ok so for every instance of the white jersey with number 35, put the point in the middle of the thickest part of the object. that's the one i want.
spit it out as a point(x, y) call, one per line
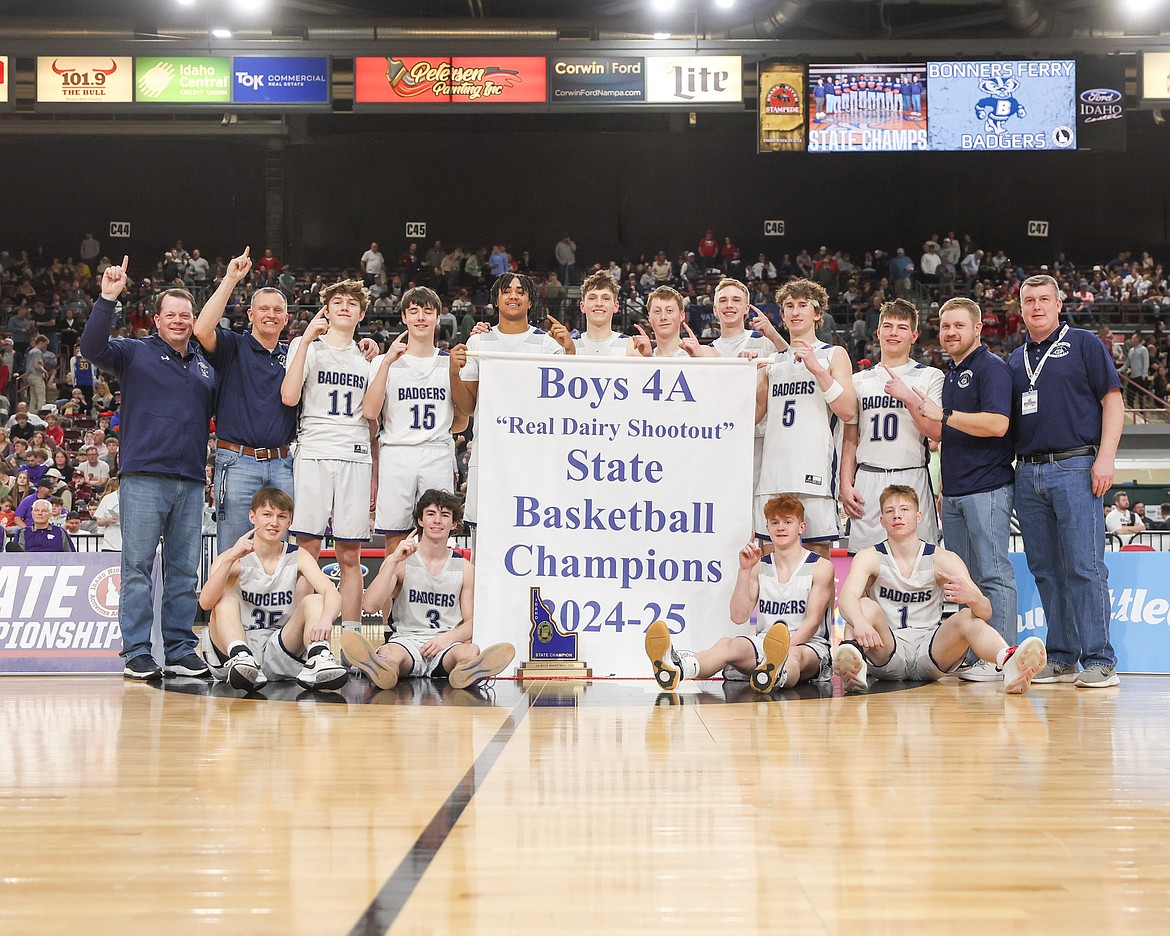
point(266, 600)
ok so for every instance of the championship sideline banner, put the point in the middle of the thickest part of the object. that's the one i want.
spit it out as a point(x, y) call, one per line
point(613, 492)
point(59, 613)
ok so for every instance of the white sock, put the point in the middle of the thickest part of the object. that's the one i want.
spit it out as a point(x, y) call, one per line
point(235, 643)
point(688, 664)
point(1001, 656)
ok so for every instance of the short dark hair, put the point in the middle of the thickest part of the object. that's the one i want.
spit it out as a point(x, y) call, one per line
point(444, 500)
point(272, 497)
point(504, 280)
point(422, 296)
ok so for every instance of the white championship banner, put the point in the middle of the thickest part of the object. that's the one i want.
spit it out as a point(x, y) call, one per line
point(613, 492)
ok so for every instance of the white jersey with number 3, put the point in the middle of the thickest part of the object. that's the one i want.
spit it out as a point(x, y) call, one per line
point(428, 604)
point(332, 424)
point(907, 601)
point(802, 435)
point(266, 600)
point(418, 408)
point(787, 601)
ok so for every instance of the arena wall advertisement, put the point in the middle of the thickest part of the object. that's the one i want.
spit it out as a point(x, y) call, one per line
point(413, 80)
point(694, 79)
point(85, 80)
point(633, 504)
point(176, 80)
point(265, 80)
point(781, 113)
point(1154, 80)
point(1139, 603)
point(601, 79)
point(996, 106)
point(60, 615)
point(3, 79)
point(1101, 103)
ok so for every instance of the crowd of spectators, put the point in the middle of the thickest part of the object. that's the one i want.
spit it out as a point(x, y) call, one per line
point(64, 414)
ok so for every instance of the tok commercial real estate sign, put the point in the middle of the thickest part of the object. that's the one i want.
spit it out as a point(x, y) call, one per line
point(173, 80)
point(265, 80)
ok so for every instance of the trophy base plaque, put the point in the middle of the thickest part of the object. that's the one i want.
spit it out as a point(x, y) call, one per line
point(554, 669)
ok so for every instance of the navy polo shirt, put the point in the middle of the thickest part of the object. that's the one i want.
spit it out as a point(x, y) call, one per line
point(248, 410)
point(982, 383)
point(1078, 374)
point(167, 398)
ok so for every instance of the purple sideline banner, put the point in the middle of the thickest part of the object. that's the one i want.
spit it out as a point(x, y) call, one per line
point(1139, 602)
point(59, 613)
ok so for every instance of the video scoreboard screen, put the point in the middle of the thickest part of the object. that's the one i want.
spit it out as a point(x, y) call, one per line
point(867, 108)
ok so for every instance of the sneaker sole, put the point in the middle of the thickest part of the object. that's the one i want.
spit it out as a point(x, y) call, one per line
point(847, 667)
point(1063, 677)
point(776, 644)
point(657, 647)
point(360, 654)
point(490, 662)
point(1031, 657)
point(141, 677)
point(979, 675)
point(185, 671)
point(1113, 680)
point(238, 680)
point(325, 685)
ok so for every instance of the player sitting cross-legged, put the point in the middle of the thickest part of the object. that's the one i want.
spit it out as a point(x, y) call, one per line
point(433, 589)
point(794, 590)
point(892, 604)
point(257, 632)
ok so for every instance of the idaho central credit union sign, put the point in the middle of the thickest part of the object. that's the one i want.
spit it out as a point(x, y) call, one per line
point(438, 79)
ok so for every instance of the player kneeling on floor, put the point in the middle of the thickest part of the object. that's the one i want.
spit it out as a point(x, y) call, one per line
point(257, 632)
point(793, 589)
point(432, 589)
point(892, 604)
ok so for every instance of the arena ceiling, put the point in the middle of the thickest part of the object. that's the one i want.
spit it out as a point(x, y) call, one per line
point(498, 20)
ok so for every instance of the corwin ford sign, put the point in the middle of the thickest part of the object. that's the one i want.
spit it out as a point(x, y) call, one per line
point(263, 80)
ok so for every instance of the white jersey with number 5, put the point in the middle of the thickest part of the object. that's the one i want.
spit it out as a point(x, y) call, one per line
point(332, 424)
point(266, 600)
point(802, 435)
point(428, 604)
point(914, 601)
point(886, 434)
point(418, 407)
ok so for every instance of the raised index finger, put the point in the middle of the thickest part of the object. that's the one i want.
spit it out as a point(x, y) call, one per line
point(640, 330)
point(688, 328)
point(551, 319)
point(125, 261)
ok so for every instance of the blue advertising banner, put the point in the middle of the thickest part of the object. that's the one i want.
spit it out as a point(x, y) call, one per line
point(602, 79)
point(1139, 601)
point(979, 106)
point(264, 80)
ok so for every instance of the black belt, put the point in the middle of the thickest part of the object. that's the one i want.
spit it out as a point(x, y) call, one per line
point(1041, 458)
point(888, 470)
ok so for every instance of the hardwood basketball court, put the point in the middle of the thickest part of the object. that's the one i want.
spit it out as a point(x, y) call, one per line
point(601, 807)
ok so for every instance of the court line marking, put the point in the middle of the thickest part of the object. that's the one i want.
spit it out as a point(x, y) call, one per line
point(388, 903)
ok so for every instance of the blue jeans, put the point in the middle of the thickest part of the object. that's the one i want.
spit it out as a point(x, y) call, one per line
point(1064, 537)
point(977, 528)
point(237, 478)
point(158, 507)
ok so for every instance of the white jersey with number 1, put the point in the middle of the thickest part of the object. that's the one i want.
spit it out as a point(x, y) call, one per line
point(907, 601)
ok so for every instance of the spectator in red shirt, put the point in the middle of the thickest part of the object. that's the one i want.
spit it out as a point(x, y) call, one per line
point(268, 264)
point(708, 249)
point(728, 251)
point(992, 326)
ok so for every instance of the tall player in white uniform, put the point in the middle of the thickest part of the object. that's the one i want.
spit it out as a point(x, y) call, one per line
point(888, 443)
point(258, 630)
point(410, 392)
point(666, 314)
point(805, 394)
point(333, 469)
point(433, 592)
point(513, 295)
point(892, 604)
point(599, 302)
point(732, 306)
point(793, 589)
